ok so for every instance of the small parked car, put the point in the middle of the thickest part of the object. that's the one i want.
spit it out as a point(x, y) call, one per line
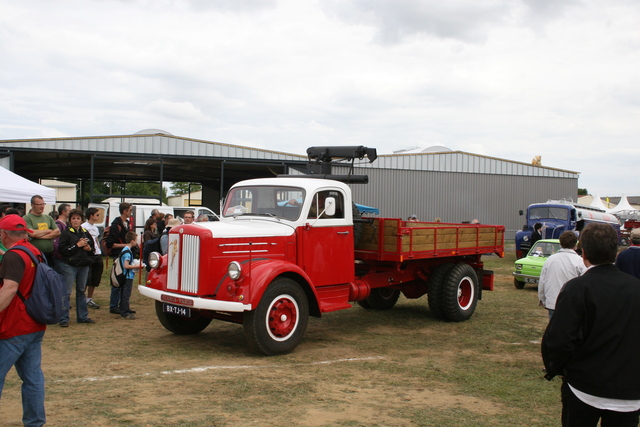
point(527, 269)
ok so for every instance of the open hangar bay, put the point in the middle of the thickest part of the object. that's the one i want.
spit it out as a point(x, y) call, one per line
point(454, 186)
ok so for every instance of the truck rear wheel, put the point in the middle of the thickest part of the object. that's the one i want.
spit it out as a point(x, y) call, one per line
point(182, 325)
point(380, 299)
point(460, 293)
point(279, 322)
point(435, 288)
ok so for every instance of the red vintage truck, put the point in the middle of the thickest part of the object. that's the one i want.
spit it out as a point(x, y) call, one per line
point(291, 247)
point(625, 231)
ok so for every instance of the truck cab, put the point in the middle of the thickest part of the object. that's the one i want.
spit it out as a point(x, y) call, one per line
point(556, 217)
point(296, 231)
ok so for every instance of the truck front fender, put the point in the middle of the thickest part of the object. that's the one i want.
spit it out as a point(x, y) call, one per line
point(263, 272)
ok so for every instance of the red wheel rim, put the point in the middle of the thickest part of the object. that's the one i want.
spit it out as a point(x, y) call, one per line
point(465, 293)
point(282, 317)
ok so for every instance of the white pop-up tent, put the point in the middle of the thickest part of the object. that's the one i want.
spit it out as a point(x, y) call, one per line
point(598, 203)
point(622, 206)
point(16, 189)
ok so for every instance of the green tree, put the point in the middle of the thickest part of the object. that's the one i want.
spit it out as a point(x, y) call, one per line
point(118, 188)
point(180, 188)
point(583, 192)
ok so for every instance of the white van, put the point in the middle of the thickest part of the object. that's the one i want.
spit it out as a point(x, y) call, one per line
point(179, 212)
point(109, 210)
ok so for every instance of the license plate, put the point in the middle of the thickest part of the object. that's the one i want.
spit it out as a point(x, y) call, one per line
point(177, 310)
point(530, 280)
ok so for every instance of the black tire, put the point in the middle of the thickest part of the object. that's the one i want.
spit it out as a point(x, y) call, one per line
point(518, 284)
point(435, 288)
point(279, 322)
point(460, 293)
point(364, 304)
point(182, 325)
point(380, 299)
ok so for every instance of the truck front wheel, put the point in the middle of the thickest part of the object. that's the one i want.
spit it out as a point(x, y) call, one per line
point(279, 322)
point(460, 293)
point(380, 299)
point(182, 325)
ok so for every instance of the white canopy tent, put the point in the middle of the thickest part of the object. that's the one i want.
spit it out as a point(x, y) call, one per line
point(16, 189)
point(598, 203)
point(622, 206)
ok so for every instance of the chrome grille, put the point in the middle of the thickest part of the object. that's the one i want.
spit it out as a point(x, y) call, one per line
point(183, 276)
point(190, 263)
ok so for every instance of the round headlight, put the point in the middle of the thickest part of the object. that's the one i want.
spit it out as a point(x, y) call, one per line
point(235, 270)
point(155, 260)
point(525, 238)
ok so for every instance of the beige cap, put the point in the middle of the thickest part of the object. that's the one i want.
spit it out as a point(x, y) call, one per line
point(173, 222)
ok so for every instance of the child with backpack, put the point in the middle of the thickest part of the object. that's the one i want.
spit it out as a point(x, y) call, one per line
point(126, 258)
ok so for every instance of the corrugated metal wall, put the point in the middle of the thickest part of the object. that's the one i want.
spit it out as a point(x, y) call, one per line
point(457, 197)
point(458, 161)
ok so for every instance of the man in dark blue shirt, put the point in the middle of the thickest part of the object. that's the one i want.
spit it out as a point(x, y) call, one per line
point(629, 259)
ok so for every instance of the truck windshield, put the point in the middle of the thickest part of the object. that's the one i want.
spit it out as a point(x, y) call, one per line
point(281, 202)
point(547, 212)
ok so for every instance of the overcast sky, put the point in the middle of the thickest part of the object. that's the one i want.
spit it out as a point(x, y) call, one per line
point(510, 79)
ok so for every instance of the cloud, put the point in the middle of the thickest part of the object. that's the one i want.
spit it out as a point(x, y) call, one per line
point(509, 79)
point(174, 110)
point(397, 20)
point(244, 6)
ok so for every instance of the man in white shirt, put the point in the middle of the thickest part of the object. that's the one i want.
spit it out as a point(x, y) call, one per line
point(558, 270)
point(95, 274)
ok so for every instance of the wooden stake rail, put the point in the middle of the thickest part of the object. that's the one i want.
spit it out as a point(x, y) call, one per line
point(392, 239)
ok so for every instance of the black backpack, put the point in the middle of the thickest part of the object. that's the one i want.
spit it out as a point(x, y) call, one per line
point(49, 293)
point(117, 273)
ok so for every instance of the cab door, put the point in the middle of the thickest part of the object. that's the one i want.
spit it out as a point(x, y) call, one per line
point(326, 243)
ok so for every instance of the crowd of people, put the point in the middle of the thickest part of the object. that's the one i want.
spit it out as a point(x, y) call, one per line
point(71, 245)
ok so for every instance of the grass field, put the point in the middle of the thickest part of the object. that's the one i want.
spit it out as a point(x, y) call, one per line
point(399, 367)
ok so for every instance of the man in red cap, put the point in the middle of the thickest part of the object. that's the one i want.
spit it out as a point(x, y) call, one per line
point(20, 335)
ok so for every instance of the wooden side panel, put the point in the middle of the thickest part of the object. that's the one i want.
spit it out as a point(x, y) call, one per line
point(387, 237)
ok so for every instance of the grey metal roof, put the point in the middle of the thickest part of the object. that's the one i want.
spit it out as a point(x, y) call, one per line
point(156, 144)
point(460, 161)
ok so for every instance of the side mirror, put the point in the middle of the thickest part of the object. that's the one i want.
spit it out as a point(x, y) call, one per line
point(330, 206)
point(521, 212)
